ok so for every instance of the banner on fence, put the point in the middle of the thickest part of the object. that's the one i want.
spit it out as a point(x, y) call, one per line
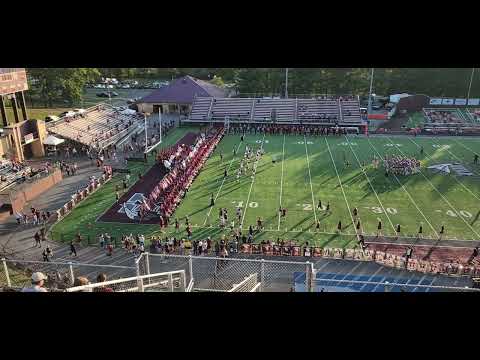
point(338, 253)
point(412, 265)
point(256, 249)
point(296, 251)
point(474, 102)
point(435, 101)
point(286, 250)
point(358, 254)
point(447, 101)
point(245, 249)
point(307, 251)
point(349, 253)
point(380, 256)
point(267, 249)
point(460, 101)
point(277, 250)
point(369, 255)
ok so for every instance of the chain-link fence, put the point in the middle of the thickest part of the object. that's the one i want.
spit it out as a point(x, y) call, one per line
point(222, 274)
point(17, 273)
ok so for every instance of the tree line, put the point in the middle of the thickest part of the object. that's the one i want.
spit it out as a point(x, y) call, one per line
point(67, 84)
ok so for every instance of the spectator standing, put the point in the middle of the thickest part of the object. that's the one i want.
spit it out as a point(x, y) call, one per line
point(73, 251)
point(38, 282)
point(37, 240)
point(100, 279)
point(47, 254)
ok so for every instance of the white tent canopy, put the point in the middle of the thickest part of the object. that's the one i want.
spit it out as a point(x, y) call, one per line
point(129, 112)
point(53, 141)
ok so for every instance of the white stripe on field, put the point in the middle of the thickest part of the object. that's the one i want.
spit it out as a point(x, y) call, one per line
point(341, 187)
point(281, 181)
point(438, 191)
point(371, 186)
point(253, 180)
point(221, 185)
point(310, 175)
point(403, 187)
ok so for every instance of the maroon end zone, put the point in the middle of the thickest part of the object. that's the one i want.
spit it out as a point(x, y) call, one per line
point(141, 188)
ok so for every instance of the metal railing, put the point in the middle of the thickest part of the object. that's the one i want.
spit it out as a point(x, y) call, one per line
point(16, 273)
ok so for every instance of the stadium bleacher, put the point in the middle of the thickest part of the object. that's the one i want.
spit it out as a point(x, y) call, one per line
point(99, 126)
point(323, 110)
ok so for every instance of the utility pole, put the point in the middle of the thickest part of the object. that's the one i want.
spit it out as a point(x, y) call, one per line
point(470, 86)
point(370, 95)
point(286, 83)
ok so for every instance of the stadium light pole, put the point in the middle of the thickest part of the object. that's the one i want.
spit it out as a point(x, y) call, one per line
point(370, 94)
point(160, 120)
point(286, 83)
point(146, 136)
point(470, 86)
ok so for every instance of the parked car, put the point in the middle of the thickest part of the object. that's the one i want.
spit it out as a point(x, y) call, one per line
point(67, 114)
point(51, 118)
point(105, 94)
point(79, 111)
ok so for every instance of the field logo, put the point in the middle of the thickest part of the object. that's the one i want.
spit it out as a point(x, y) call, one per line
point(131, 207)
point(458, 169)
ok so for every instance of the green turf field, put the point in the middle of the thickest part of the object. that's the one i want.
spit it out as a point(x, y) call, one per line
point(311, 169)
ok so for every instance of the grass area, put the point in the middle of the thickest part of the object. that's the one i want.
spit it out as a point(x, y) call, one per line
point(18, 278)
point(36, 113)
point(306, 173)
point(83, 217)
point(415, 120)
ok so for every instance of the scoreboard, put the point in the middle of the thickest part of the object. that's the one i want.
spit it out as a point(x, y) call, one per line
point(12, 80)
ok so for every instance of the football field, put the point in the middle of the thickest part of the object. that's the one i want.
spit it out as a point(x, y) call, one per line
point(339, 171)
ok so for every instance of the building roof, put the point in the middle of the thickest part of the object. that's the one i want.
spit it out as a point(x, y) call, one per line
point(182, 91)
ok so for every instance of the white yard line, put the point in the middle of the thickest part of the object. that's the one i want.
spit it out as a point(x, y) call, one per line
point(341, 186)
point(466, 147)
point(443, 197)
point(253, 181)
point(310, 175)
point(369, 182)
point(404, 189)
point(281, 181)
point(476, 197)
point(221, 185)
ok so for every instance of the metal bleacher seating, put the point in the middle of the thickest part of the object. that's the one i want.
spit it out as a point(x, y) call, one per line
point(99, 126)
point(313, 110)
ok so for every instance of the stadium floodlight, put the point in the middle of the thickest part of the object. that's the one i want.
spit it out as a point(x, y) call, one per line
point(286, 83)
point(160, 120)
point(369, 110)
point(145, 114)
point(470, 86)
